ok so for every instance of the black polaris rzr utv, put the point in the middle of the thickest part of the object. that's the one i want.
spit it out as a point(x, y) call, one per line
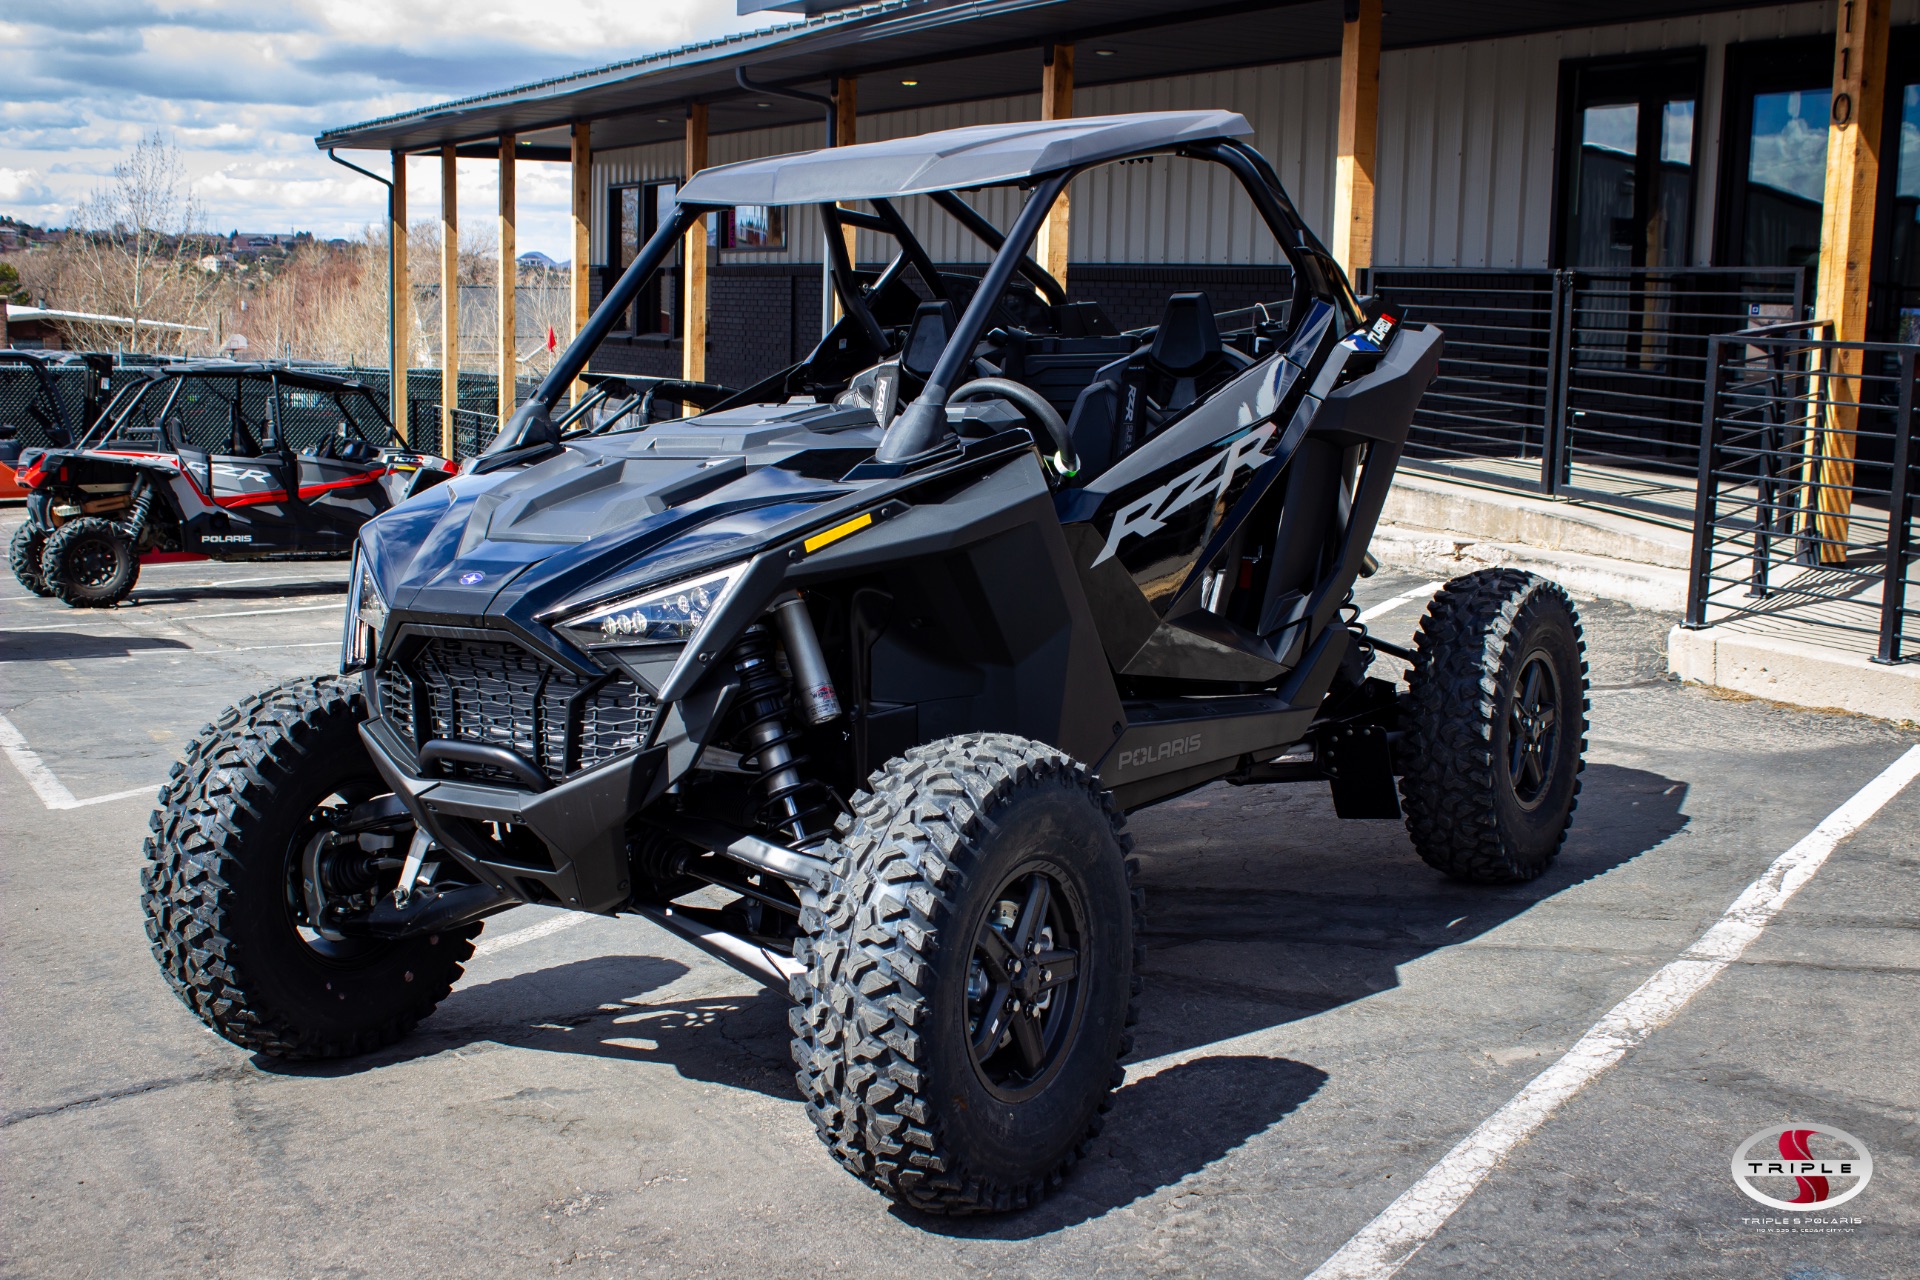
point(210, 460)
point(851, 679)
point(47, 398)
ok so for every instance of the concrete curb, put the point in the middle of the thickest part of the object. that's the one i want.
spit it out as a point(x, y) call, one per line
point(1447, 555)
point(1425, 502)
point(1802, 675)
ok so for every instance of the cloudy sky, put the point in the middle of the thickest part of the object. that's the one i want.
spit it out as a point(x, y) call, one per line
point(242, 88)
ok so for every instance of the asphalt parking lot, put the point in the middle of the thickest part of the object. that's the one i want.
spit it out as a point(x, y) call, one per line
point(1325, 1018)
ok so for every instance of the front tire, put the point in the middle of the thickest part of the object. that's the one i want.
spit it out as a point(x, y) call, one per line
point(221, 886)
point(971, 975)
point(90, 563)
point(1496, 727)
point(23, 557)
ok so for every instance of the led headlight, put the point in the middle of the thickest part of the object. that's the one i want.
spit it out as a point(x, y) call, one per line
point(366, 620)
point(664, 615)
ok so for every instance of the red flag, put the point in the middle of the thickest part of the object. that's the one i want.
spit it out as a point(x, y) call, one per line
point(553, 339)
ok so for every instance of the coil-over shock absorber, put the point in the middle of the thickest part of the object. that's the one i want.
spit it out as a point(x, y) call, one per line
point(799, 807)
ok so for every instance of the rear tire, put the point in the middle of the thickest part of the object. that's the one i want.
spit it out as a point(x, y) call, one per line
point(221, 885)
point(23, 557)
point(1496, 727)
point(982, 882)
point(90, 563)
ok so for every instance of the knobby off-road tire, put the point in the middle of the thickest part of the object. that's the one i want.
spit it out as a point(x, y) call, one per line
point(1496, 727)
point(221, 885)
point(939, 859)
point(90, 563)
point(23, 557)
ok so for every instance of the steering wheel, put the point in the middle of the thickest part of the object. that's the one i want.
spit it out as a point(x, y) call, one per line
point(1034, 406)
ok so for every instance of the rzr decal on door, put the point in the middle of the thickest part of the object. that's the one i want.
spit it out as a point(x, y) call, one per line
point(1209, 480)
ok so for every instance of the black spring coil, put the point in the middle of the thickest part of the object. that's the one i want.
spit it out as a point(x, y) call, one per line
point(790, 802)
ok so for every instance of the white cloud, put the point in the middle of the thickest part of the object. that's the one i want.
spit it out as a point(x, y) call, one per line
point(242, 88)
point(23, 187)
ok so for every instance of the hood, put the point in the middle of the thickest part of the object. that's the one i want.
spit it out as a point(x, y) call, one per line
point(615, 510)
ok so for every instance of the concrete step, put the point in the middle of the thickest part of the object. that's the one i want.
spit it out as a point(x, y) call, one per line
point(1446, 555)
point(1517, 520)
point(1783, 669)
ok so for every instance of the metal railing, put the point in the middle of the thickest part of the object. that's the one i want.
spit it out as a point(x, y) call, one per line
point(1805, 485)
point(1562, 382)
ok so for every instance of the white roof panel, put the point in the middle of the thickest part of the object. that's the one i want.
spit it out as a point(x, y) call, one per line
point(976, 156)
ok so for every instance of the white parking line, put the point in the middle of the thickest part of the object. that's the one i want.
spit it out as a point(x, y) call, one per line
point(53, 793)
point(1405, 597)
point(532, 933)
point(162, 620)
point(1384, 1245)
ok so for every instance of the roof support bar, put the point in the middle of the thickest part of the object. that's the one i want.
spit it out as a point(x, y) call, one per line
point(1357, 137)
point(509, 364)
point(1846, 251)
point(449, 294)
point(693, 261)
point(1056, 103)
point(403, 291)
point(922, 427)
point(582, 225)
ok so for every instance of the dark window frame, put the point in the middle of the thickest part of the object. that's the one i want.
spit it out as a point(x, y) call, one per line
point(1682, 72)
point(1801, 63)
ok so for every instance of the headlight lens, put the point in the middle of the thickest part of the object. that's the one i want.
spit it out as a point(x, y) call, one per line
point(366, 620)
point(664, 615)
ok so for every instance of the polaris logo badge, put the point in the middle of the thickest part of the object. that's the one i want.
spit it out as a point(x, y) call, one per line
point(1134, 759)
point(227, 537)
point(1208, 480)
point(471, 579)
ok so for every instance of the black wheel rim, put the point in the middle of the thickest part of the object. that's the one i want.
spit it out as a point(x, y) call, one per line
point(326, 814)
point(1533, 729)
point(1024, 982)
point(93, 563)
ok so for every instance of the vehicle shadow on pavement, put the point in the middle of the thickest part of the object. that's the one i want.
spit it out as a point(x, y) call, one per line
point(42, 646)
point(1275, 910)
point(249, 591)
point(1162, 1129)
point(1262, 909)
point(600, 1007)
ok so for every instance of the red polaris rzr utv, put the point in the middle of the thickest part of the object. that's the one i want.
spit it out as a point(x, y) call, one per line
point(215, 459)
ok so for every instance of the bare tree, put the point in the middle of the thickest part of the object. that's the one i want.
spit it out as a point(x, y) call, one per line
point(135, 252)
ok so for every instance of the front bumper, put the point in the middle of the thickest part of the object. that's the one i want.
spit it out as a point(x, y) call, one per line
point(570, 846)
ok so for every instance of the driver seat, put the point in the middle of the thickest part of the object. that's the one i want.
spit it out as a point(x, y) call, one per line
point(1130, 399)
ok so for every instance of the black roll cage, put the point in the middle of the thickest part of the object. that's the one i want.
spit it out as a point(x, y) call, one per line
point(921, 428)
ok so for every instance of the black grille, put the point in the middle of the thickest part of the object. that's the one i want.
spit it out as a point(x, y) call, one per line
point(500, 695)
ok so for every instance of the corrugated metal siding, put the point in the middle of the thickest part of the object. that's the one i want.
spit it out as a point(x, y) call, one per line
point(1464, 175)
point(1467, 132)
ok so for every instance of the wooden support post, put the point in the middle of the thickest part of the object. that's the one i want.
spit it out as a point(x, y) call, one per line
point(846, 132)
point(693, 266)
point(449, 295)
point(402, 299)
point(1357, 137)
point(509, 277)
point(1846, 250)
point(1056, 103)
point(582, 214)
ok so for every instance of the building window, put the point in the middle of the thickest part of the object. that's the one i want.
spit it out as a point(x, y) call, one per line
point(1628, 162)
point(1779, 100)
point(748, 227)
point(634, 213)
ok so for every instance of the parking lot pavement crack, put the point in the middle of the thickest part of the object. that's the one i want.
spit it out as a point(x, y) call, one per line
point(145, 1087)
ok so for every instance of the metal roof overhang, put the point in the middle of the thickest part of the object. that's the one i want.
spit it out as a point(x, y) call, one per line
point(955, 50)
